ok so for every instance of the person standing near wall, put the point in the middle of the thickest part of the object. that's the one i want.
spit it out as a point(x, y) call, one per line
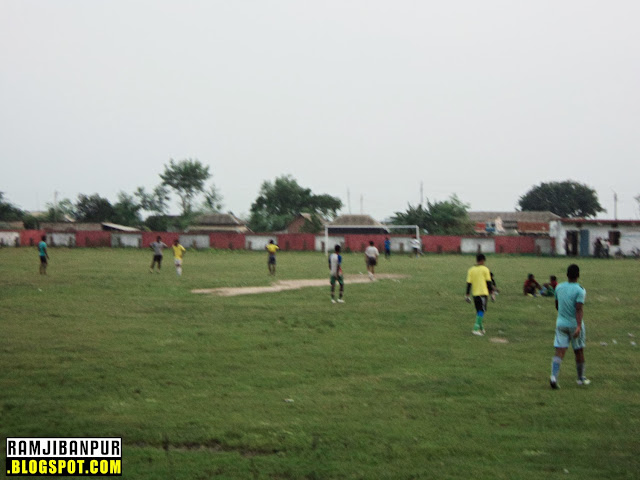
point(44, 255)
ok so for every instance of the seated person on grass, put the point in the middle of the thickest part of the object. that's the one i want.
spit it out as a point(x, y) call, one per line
point(531, 286)
point(549, 289)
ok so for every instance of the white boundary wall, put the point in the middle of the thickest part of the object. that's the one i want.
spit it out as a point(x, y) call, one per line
point(333, 241)
point(545, 246)
point(400, 244)
point(131, 240)
point(10, 239)
point(61, 239)
point(258, 242)
point(194, 241)
point(470, 245)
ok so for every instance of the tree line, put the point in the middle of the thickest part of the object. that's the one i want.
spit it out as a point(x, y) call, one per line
point(278, 203)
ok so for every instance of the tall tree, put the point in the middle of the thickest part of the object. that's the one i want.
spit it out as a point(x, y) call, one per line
point(449, 217)
point(93, 208)
point(8, 211)
point(280, 201)
point(155, 202)
point(63, 210)
point(212, 200)
point(126, 211)
point(567, 199)
point(187, 179)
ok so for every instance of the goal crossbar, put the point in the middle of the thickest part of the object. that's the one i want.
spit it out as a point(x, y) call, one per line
point(363, 227)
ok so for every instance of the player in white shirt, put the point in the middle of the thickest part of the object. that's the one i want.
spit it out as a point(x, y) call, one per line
point(417, 246)
point(371, 259)
point(335, 268)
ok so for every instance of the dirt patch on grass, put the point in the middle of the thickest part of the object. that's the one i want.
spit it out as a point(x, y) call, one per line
point(282, 285)
point(498, 340)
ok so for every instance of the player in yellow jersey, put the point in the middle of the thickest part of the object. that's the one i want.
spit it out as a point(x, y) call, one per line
point(272, 248)
point(480, 285)
point(178, 253)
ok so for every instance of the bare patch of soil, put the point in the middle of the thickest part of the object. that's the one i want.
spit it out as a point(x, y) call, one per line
point(282, 285)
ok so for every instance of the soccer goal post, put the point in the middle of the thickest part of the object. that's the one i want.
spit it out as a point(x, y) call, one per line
point(336, 228)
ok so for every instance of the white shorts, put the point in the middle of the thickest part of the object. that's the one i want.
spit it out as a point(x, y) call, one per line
point(178, 262)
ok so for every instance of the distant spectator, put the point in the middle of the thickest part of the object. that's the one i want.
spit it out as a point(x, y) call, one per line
point(597, 248)
point(387, 247)
point(44, 255)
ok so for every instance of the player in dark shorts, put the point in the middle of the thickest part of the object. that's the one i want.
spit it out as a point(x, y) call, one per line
point(44, 255)
point(157, 247)
point(371, 259)
point(272, 248)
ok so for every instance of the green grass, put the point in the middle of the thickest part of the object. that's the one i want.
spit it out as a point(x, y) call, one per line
point(389, 385)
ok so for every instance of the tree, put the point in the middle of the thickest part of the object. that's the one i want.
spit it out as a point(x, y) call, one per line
point(567, 199)
point(62, 211)
point(93, 208)
point(187, 179)
point(279, 202)
point(8, 211)
point(449, 217)
point(154, 202)
point(127, 210)
point(212, 200)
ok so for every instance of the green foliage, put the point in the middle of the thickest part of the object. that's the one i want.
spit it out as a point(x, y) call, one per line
point(93, 208)
point(315, 225)
point(8, 211)
point(212, 200)
point(62, 211)
point(389, 385)
point(449, 217)
point(155, 202)
point(567, 199)
point(127, 210)
point(187, 179)
point(159, 223)
point(31, 222)
point(279, 202)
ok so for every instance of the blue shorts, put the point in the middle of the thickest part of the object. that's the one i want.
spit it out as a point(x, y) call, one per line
point(564, 337)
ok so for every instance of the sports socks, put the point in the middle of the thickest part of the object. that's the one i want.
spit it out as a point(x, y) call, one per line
point(580, 369)
point(555, 366)
point(478, 325)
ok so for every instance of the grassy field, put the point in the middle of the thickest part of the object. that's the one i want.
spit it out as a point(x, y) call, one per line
point(389, 385)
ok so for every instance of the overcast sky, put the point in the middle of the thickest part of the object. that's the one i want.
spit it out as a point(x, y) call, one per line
point(480, 98)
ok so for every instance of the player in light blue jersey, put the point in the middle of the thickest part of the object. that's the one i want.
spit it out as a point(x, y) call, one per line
point(570, 328)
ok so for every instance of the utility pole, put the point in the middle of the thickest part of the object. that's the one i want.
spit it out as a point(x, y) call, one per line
point(349, 201)
point(421, 192)
point(55, 206)
point(615, 206)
